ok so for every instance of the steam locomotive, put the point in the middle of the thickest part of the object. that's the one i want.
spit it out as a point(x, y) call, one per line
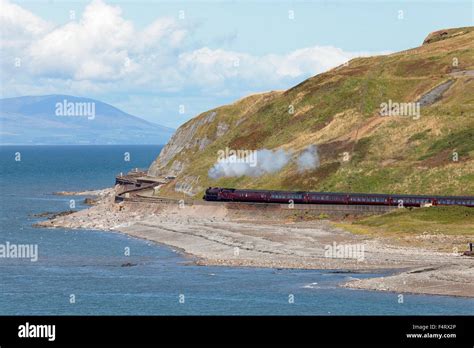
point(301, 197)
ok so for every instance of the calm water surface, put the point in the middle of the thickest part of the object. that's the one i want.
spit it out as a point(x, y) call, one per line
point(88, 264)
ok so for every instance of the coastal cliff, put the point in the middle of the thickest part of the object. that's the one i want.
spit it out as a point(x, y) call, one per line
point(341, 112)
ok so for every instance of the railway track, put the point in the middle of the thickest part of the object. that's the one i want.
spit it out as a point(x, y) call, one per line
point(135, 197)
point(136, 189)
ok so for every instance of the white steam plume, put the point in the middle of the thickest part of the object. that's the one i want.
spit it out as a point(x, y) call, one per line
point(263, 162)
point(308, 159)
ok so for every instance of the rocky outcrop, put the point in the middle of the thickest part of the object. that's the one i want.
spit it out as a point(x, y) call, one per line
point(222, 128)
point(183, 139)
point(445, 34)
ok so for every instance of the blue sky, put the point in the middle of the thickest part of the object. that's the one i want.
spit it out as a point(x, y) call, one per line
point(151, 57)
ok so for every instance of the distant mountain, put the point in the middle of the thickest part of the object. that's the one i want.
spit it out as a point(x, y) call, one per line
point(65, 119)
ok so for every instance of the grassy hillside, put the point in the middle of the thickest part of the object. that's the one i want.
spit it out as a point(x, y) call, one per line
point(339, 111)
point(440, 228)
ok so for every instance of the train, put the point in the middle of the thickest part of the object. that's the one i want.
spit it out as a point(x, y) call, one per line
point(302, 197)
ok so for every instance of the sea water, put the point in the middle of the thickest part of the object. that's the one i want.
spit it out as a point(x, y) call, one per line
point(81, 272)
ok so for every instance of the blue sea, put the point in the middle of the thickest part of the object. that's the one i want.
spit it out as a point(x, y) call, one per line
point(80, 272)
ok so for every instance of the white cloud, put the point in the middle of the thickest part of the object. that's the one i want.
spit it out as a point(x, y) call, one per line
point(102, 52)
point(207, 67)
point(18, 26)
point(162, 32)
point(211, 67)
point(95, 48)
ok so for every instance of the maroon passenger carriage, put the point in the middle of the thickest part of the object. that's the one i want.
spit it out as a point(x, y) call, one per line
point(301, 197)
